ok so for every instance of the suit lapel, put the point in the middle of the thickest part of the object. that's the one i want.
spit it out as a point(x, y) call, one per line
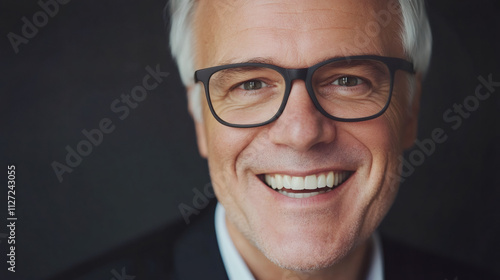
point(196, 254)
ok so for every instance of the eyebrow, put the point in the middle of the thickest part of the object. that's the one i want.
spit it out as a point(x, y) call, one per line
point(270, 60)
point(229, 73)
point(374, 67)
point(263, 60)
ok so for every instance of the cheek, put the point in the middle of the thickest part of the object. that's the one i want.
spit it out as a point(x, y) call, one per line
point(224, 148)
point(376, 192)
point(222, 154)
point(381, 140)
point(399, 111)
point(384, 135)
point(379, 136)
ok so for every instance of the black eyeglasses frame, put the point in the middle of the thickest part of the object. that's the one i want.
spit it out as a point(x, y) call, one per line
point(305, 74)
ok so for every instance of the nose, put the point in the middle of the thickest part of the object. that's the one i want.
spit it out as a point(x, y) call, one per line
point(301, 126)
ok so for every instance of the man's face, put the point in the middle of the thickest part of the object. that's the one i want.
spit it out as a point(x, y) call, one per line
point(315, 231)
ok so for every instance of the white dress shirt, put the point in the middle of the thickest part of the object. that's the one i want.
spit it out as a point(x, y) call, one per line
point(237, 269)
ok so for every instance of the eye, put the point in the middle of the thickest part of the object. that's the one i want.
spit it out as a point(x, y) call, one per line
point(348, 81)
point(252, 85)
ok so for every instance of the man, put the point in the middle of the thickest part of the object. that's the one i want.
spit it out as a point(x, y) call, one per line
point(302, 116)
point(301, 109)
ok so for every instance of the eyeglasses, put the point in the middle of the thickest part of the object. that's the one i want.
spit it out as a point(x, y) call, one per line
point(347, 89)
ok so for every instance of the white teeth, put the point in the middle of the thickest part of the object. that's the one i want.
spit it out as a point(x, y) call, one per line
point(268, 179)
point(273, 183)
point(310, 182)
point(297, 183)
point(287, 182)
point(301, 195)
point(321, 181)
point(279, 181)
point(329, 179)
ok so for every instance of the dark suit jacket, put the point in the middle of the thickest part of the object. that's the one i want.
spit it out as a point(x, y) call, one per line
point(186, 252)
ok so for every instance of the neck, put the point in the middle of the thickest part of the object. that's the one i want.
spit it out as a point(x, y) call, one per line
point(353, 267)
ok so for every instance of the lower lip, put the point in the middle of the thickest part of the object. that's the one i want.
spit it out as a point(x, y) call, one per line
point(313, 200)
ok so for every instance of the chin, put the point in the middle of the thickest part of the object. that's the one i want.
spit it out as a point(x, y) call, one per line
point(308, 255)
point(305, 244)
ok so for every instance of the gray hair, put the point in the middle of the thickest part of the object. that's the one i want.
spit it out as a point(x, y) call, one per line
point(415, 34)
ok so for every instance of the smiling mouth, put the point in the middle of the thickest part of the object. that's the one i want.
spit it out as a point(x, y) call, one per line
point(308, 186)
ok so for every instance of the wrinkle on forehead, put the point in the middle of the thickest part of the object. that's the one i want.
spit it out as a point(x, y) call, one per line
point(290, 8)
point(302, 30)
point(292, 27)
point(237, 14)
point(297, 18)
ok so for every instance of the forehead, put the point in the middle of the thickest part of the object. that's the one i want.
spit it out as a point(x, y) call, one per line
point(294, 33)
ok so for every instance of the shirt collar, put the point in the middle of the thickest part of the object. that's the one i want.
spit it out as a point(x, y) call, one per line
point(376, 270)
point(236, 268)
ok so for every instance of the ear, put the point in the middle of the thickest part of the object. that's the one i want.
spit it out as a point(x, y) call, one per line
point(195, 110)
point(411, 127)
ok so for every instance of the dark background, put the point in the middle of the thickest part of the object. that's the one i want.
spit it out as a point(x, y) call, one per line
point(65, 78)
